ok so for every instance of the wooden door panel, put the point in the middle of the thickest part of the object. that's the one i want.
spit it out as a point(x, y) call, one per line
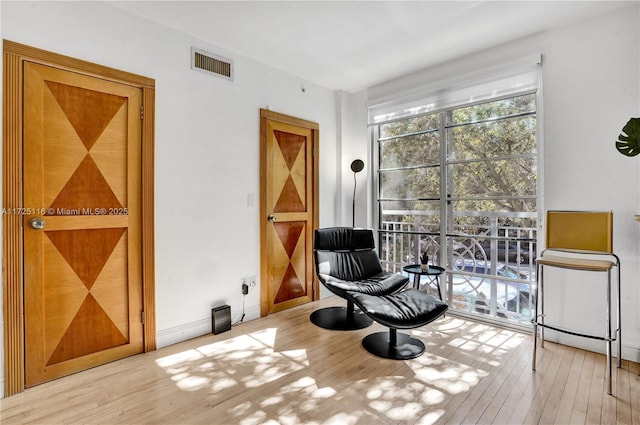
point(83, 285)
point(289, 168)
point(288, 196)
point(289, 268)
point(65, 148)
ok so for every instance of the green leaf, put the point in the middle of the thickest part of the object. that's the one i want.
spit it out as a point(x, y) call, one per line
point(629, 140)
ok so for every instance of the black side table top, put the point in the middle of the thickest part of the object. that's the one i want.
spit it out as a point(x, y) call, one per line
point(431, 271)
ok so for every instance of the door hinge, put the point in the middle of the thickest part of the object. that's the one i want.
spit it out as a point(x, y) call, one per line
point(142, 317)
point(141, 112)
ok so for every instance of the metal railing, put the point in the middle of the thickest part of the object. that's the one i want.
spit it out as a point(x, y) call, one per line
point(490, 269)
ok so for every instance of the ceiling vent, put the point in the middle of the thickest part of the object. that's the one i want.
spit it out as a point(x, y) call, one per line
point(211, 64)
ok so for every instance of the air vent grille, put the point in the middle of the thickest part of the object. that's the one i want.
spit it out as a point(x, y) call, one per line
point(211, 63)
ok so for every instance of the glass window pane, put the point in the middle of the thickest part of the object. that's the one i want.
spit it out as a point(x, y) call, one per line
point(509, 177)
point(410, 184)
point(409, 126)
point(513, 136)
point(409, 151)
point(410, 216)
point(498, 108)
point(516, 217)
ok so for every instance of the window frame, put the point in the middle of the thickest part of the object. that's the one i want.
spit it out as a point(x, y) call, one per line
point(445, 129)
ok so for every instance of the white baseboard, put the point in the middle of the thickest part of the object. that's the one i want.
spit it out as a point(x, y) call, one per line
point(198, 328)
point(184, 332)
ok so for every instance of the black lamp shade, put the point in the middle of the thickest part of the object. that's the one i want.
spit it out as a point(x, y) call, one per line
point(357, 165)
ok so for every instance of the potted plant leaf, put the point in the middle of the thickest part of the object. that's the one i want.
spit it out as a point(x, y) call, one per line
point(628, 142)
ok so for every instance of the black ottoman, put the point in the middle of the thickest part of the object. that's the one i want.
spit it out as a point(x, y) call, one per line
point(403, 310)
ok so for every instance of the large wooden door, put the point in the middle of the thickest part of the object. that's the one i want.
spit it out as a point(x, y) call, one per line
point(82, 271)
point(288, 210)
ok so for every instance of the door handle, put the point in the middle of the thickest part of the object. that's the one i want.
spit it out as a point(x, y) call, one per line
point(37, 223)
point(271, 218)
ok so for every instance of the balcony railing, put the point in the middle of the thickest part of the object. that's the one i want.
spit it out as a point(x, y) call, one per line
point(489, 269)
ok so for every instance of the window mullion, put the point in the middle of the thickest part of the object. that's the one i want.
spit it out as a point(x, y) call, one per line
point(444, 197)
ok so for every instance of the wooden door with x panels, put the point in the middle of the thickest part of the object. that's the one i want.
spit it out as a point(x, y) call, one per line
point(82, 247)
point(288, 210)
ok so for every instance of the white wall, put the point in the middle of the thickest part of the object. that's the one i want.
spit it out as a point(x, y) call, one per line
point(591, 78)
point(207, 140)
point(352, 118)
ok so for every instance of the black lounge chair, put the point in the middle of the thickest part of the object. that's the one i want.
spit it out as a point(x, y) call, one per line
point(346, 260)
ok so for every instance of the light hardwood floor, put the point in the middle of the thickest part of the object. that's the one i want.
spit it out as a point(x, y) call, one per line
point(284, 370)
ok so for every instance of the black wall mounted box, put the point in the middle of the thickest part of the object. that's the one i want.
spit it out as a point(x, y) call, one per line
point(220, 319)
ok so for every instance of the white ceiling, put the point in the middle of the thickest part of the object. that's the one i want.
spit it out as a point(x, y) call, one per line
point(351, 45)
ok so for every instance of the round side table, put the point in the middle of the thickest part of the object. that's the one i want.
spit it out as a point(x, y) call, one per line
point(432, 271)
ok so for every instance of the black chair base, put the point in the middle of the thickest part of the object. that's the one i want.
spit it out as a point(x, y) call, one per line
point(407, 309)
point(393, 345)
point(339, 319)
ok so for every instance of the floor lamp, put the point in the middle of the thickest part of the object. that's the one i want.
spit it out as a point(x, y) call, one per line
point(356, 166)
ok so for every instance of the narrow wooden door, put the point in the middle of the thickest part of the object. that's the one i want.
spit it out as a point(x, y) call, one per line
point(288, 210)
point(82, 273)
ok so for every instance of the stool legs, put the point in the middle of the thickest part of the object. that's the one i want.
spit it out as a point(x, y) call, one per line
point(538, 298)
point(609, 372)
point(619, 321)
point(538, 321)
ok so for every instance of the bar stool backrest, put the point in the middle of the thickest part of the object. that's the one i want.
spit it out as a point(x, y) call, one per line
point(580, 230)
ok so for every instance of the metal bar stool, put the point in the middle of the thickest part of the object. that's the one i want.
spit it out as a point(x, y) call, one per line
point(580, 240)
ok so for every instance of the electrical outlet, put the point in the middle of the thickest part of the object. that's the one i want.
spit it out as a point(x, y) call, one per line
point(252, 281)
point(245, 289)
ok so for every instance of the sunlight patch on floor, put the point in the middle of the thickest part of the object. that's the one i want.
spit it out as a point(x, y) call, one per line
point(431, 417)
point(450, 324)
point(401, 399)
point(283, 387)
point(215, 366)
point(169, 363)
point(247, 362)
point(445, 374)
point(495, 343)
point(341, 418)
point(285, 404)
